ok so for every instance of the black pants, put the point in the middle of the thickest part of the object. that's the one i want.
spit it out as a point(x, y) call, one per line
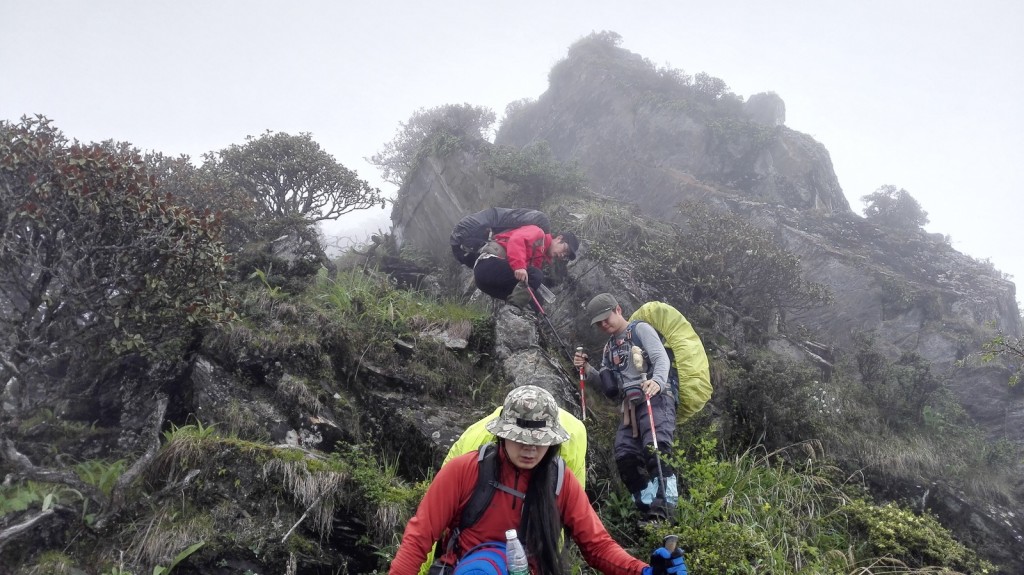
point(495, 278)
point(637, 463)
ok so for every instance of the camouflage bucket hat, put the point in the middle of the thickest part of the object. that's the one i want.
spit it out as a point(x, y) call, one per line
point(530, 416)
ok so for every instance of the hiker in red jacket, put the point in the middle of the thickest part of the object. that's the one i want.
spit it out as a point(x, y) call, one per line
point(527, 498)
point(514, 259)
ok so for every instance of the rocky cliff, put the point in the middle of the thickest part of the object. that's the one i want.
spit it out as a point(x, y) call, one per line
point(651, 138)
point(654, 138)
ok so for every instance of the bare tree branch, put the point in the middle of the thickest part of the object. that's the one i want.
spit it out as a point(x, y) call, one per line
point(26, 470)
point(15, 530)
point(117, 495)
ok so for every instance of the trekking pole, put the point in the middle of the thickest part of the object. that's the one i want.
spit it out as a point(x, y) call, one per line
point(657, 454)
point(540, 310)
point(583, 395)
point(637, 354)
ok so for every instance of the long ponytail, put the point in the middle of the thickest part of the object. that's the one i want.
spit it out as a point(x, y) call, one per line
point(541, 527)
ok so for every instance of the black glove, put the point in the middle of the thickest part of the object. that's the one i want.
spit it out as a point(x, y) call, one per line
point(667, 562)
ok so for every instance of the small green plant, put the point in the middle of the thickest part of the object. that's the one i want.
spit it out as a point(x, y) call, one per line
point(161, 570)
point(21, 497)
point(275, 292)
point(196, 431)
point(101, 474)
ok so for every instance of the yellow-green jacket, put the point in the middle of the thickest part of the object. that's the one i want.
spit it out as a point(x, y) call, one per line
point(691, 361)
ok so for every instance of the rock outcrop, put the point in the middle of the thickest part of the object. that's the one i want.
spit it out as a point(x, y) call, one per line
point(438, 194)
point(650, 139)
point(645, 136)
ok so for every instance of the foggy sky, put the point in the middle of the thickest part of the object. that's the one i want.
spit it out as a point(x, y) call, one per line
point(923, 96)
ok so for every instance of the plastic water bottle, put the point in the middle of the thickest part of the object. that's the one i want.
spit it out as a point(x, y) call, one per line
point(515, 554)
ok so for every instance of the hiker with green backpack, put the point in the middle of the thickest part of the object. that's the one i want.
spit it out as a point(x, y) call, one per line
point(518, 483)
point(637, 369)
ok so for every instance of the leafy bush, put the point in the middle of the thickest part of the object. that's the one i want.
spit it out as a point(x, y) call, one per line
point(535, 173)
point(98, 264)
point(723, 257)
point(915, 540)
point(438, 130)
point(900, 390)
point(1009, 348)
point(773, 401)
point(285, 175)
point(894, 208)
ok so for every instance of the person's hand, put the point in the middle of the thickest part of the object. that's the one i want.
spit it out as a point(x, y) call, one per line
point(668, 562)
point(579, 359)
point(650, 387)
point(521, 275)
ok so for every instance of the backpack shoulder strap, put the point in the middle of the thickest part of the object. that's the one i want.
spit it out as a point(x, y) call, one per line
point(560, 474)
point(633, 335)
point(487, 482)
point(483, 492)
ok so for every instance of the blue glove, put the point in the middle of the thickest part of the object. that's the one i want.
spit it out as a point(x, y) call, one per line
point(664, 562)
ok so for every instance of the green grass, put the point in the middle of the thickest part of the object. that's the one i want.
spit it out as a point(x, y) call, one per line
point(366, 296)
point(788, 511)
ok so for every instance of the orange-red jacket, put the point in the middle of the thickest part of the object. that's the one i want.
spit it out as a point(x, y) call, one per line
point(450, 492)
point(525, 246)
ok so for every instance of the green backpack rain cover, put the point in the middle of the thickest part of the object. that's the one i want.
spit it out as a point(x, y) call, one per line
point(687, 353)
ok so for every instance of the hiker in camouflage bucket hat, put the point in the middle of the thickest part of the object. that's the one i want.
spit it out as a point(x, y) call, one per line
point(529, 416)
point(520, 482)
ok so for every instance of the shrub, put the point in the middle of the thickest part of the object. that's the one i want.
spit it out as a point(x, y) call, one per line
point(438, 130)
point(916, 540)
point(98, 264)
point(535, 173)
point(775, 402)
point(894, 208)
point(725, 258)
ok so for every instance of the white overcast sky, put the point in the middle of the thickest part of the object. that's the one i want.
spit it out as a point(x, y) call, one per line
point(924, 95)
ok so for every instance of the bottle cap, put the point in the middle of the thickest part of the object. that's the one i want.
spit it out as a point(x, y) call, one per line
point(511, 534)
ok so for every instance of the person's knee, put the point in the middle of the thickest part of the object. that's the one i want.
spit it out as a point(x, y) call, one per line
point(661, 459)
point(629, 471)
point(535, 277)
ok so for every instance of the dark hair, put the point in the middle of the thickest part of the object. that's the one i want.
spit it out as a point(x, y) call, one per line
point(573, 242)
point(541, 527)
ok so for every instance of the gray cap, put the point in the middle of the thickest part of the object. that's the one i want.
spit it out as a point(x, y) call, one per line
point(530, 416)
point(600, 307)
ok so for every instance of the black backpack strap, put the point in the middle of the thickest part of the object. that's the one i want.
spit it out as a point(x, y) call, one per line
point(483, 492)
point(486, 481)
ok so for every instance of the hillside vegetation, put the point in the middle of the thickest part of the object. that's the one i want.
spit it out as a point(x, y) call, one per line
point(191, 386)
